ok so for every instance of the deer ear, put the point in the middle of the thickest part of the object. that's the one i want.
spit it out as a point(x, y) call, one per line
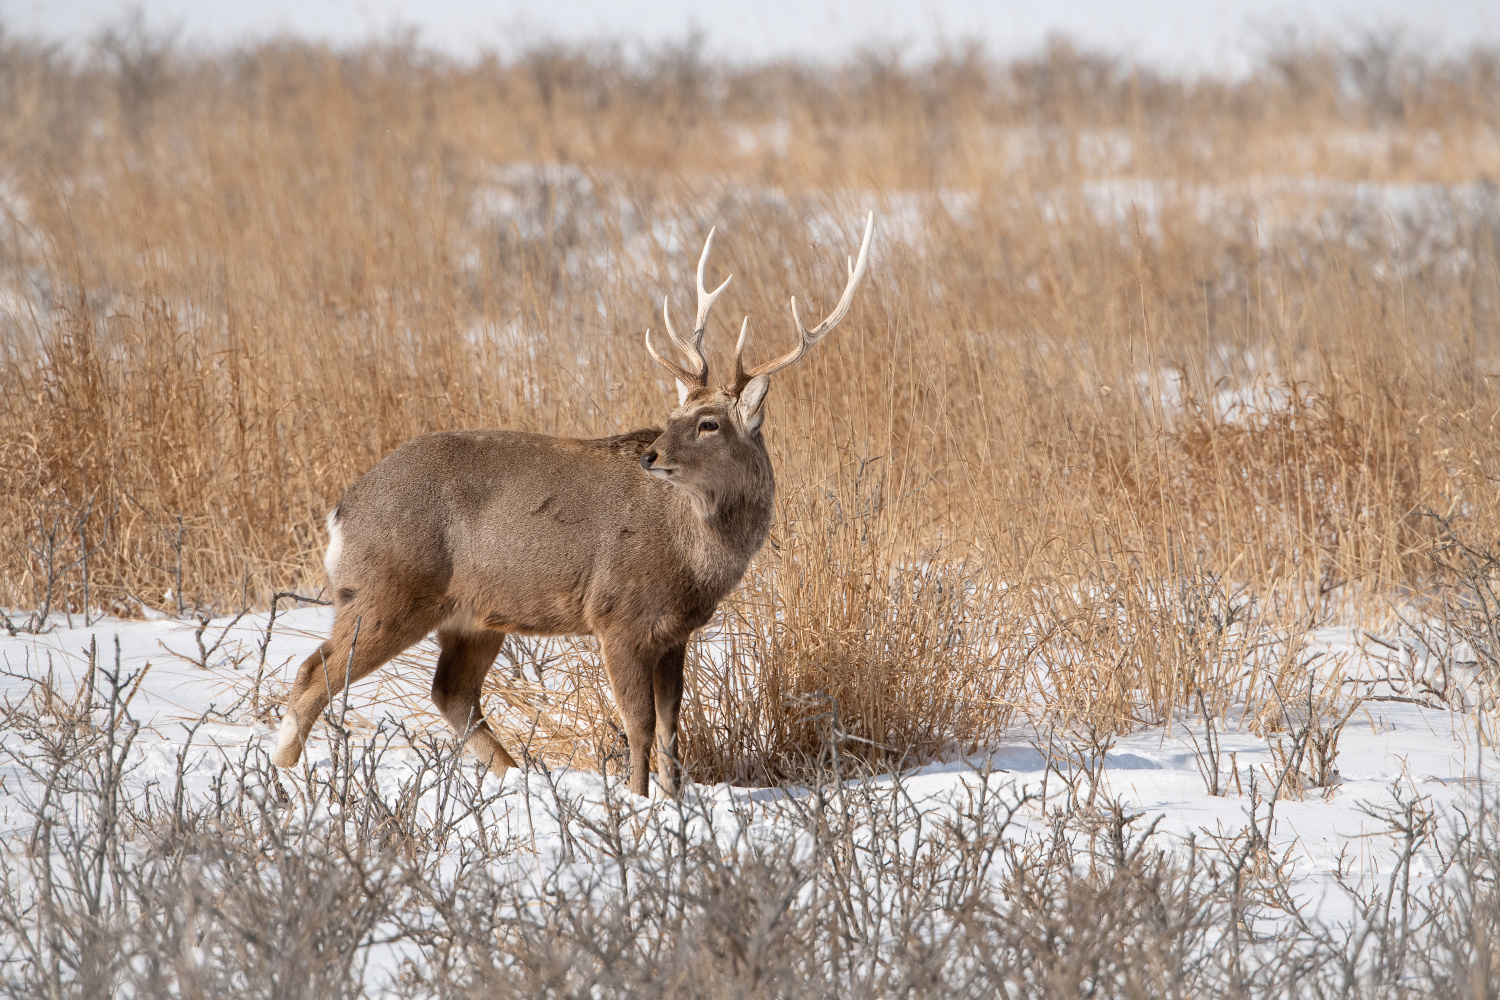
point(682, 391)
point(751, 399)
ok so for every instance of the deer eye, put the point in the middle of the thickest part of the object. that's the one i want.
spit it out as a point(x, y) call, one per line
point(704, 426)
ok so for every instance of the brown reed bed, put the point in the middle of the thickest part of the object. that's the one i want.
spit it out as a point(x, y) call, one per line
point(1149, 374)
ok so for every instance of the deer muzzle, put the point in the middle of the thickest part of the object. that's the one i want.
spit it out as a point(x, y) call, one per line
point(648, 462)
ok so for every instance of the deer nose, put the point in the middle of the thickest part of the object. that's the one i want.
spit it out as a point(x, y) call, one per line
point(648, 460)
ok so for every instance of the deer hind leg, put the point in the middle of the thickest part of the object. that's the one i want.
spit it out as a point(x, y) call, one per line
point(666, 682)
point(381, 635)
point(456, 684)
point(630, 678)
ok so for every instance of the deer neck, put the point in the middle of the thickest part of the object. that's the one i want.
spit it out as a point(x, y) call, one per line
point(721, 531)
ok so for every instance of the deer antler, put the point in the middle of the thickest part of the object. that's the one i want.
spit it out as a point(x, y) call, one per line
point(698, 376)
point(817, 333)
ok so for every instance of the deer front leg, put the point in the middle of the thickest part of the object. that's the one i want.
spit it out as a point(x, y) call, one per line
point(630, 672)
point(667, 689)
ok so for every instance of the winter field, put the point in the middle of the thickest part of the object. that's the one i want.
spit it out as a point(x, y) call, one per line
point(1049, 863)
point(1128, 625)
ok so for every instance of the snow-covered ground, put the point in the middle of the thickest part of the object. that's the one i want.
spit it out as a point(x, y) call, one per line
point(1388, 747)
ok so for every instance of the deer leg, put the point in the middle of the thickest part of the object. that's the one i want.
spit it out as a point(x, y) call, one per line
point(667, 687)
point(381, 636)
point(629, 670)
point(461, 668)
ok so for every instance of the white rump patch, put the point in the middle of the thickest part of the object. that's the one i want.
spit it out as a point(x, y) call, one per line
point(335, 545)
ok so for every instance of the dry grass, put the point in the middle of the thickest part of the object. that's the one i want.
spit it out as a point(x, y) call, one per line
point(1139, 379)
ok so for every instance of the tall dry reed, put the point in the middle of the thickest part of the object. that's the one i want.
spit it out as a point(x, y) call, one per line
point(1148, 371)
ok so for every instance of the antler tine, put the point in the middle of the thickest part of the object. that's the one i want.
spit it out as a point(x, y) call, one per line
point(692, 348)
point(678, 372)
point(740, 377)
point(706, 299)
point(807, 337)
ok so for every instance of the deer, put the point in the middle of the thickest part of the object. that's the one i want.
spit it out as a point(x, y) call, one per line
point(634, 539)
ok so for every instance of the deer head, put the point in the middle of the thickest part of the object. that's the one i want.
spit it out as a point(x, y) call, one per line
point(711, 432)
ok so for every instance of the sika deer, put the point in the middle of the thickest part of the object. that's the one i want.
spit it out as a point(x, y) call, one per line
point(634, 538)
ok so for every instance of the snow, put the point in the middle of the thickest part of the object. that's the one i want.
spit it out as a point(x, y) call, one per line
point(208, 716)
